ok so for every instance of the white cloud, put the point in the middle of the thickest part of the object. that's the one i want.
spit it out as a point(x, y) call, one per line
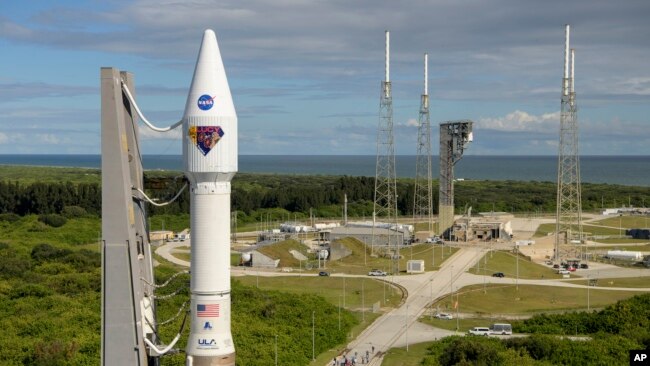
point(3, 138)
point(519, 121)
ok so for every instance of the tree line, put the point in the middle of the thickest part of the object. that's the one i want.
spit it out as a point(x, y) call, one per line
point(323, 195)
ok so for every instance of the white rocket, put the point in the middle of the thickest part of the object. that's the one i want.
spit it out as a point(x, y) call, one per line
point(210, 162)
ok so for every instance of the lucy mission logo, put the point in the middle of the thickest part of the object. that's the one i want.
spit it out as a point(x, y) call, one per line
point(205, 137)
point(205, 102)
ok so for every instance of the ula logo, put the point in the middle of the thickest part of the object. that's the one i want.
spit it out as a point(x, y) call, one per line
point(205, 342)
point(205, 102)
point(207, 326)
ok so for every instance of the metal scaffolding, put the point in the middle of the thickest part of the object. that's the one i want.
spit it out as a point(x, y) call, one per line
point(568, 230)
point(454, 137)
point(423, 196)
point(385, 200)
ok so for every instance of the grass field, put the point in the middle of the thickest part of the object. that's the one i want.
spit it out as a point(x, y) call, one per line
point(528, 299)
point(401, 357)
point(32, 174)
point(506, 262)
point(631, 282)
point(332, 289)
point(629, 222)
point(280, 250)
point(545, 229)
point(354, 263)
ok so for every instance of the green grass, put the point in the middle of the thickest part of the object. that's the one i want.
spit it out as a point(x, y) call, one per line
point(176, 223)
point(354, 263)
point(401, 357)
point(280, 250)
point(325, 358)
point(630, 282)
point(506, 299)
point(506, 262)
point(331, 288)
point(626, 222)
point(625, 241)
point(546, 229)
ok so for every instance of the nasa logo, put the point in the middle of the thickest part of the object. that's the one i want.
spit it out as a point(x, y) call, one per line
point(207, 326)
point(205, 102)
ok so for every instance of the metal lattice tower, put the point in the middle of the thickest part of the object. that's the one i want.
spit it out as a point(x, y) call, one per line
point(423, 197)
point(454, 137)
point(385, 203)
point(568, 230)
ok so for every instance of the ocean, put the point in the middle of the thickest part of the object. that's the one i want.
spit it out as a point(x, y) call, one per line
point(625, 170)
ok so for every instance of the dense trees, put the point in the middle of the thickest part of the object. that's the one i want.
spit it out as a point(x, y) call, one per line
point(298, 194)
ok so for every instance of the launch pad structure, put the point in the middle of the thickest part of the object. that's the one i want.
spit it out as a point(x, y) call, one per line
point(568, 230)
point(210, 157)
point(423, 195)
point(454, 138)
point(385, 197)
point(126, 252)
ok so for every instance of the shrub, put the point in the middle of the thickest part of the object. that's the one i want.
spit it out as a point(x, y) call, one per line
point(46, 252)
point(9, 217)
point(30, 289)
point(74, 211)
point(52, 220)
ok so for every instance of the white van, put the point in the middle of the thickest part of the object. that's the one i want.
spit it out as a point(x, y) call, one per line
point(484, 331)
point(503, 329)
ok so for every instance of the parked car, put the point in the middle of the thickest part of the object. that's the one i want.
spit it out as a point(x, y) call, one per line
point(563, 271)
point(323, 273)
point(444, 316)
point(584, 266)
point(376, 272)
point(484, 331)
point(571, 269)
point(498, 274)
point(556, 266)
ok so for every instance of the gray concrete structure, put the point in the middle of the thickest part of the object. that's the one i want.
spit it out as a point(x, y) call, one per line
point(126, 253)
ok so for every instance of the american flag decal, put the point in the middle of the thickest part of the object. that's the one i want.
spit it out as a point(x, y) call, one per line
point(207, 311)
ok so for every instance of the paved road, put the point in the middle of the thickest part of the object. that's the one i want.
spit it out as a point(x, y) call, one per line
point(400, 327)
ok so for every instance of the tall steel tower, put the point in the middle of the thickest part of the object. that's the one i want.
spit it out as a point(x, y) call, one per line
point(423, 197)
point(568, 230)
point(385, 203)
point(454, 137)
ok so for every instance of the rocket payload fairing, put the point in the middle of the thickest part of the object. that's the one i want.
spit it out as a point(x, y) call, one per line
point(210, 162)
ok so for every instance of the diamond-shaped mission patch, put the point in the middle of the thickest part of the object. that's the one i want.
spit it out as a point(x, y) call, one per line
point(205, 137)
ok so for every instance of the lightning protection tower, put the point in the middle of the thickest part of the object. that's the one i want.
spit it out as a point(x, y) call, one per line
point(423, 198)
point(385, 203)
point(568, 230)
point(454, 137)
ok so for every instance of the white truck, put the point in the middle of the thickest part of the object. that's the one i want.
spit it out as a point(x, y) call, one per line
point(376, 272)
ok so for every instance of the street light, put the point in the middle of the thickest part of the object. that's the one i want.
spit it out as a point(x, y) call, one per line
point(276, 350)
point(313, 336)
point(406, 324)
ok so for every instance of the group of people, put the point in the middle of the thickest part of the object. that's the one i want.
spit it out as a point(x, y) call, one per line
point(352, 361)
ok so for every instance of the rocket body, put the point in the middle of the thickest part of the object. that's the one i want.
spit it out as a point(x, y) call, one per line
point(210, 162)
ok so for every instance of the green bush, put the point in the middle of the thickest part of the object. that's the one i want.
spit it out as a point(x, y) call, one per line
point(29, 289)
point(9, 217)
point(74, 211)
point(52, 220)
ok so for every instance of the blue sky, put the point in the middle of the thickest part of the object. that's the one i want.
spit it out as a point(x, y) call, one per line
point(305, 75)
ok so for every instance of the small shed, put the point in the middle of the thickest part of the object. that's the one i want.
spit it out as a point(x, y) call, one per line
point(415, 266)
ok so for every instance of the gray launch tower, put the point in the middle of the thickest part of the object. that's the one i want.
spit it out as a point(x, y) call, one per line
point(568, 230)
point(385, 200)
point(454, 137)
point(423, 197)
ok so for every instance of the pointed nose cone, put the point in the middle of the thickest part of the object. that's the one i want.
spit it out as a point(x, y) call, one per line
point(210, 121)
point(209, 93)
